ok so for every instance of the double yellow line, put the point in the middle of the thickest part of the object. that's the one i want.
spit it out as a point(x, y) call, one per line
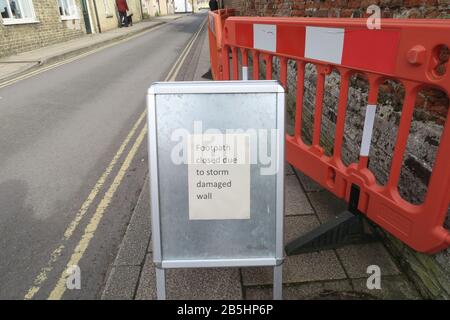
point(60, 288)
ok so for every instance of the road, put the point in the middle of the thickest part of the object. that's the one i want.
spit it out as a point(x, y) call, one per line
point(73, 161)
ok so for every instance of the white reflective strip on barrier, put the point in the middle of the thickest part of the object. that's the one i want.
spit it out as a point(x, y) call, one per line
point(212, 24)
point(244, 73)
point(265, 37)
point(324, 44)
point(367, 131)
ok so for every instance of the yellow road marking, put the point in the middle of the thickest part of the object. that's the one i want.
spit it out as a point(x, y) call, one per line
point(80, 249)
point(43, 274)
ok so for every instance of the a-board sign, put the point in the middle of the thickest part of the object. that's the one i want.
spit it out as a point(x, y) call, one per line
point(216, 154)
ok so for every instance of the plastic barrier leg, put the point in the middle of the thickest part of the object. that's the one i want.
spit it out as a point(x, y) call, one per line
point(349, 227)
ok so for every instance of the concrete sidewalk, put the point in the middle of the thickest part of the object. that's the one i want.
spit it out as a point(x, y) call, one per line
point(330, 274)
point(19, 64)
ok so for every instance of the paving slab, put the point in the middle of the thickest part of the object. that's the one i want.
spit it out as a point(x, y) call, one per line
point(147, 283)
point(203, 65)
point(314, 266)
point(326, 204)
point(392, 288)
point(308, 184)
point(204, 284)
point(296, 226)
point(356, 259)
point(121, 283)
point(296, 202)
point(192, 284)
point(304, 291)
point(134, 246)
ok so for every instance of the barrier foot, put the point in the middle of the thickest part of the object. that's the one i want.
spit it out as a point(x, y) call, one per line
point(346, 229)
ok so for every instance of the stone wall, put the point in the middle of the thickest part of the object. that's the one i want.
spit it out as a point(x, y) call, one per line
point(48, 30)
point(342, 8)
point(432, 273)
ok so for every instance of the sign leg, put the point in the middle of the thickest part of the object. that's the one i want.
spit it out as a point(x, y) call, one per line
point(160, 284)
point(278, 282)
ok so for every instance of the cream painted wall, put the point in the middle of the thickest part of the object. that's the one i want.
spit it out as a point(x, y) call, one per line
point(150, 7)
point(135, 7)
point(158, 7)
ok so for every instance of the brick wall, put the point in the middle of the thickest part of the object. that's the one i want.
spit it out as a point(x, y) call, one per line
point(49, 30)
point(432, 273)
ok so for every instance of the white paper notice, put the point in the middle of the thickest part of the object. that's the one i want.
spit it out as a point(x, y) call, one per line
point(219, 176)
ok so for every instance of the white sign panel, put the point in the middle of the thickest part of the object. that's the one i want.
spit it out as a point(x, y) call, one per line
point(219, 176)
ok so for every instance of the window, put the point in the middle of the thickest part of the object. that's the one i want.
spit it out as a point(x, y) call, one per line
point(68, 9)
point(17, 11)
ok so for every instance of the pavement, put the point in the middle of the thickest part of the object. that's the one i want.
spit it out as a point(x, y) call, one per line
point(329, 274)
point(73, 155)
point(12, 66)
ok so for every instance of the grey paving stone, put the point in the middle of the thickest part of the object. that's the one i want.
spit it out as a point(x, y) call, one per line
point(195, 284)
point(134, 246)
point(392, 288)
point(304, 291)
point(326, 205)
point(308, 184)
point(356, 259)
point(121, 283)
point(203, 65)
point(295, 226)
point(296, 202)
point(147, 283)
point(316, 266)
point(204, 284)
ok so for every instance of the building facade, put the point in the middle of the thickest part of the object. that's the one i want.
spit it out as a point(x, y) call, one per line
point(155, 8)
point(30, 24)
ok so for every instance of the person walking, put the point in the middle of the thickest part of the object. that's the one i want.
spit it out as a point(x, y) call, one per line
point(213, 5)
point(122, 7)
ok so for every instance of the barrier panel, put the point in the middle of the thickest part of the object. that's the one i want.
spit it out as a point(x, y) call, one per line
point(407, 51)
point(216, 20)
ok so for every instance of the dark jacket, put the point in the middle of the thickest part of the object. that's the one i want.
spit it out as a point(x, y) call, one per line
point(213, 5)
point(122, 5)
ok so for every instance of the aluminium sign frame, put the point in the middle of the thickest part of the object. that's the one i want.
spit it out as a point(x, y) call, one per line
point(215, 87)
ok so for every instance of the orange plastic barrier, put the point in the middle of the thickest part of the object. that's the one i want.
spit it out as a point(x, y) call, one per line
point(216, 20)
point(404, 50)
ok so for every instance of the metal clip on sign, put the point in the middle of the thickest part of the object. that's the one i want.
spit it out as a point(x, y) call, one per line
point(406, 51)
